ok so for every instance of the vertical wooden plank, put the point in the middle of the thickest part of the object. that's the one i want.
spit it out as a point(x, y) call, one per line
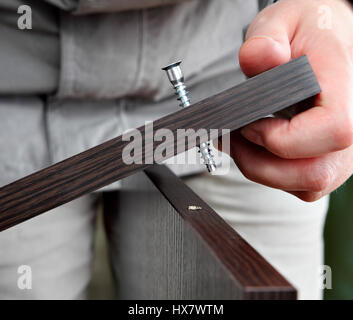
point(169, 252)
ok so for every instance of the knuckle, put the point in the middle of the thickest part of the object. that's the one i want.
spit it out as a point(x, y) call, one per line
point(319, 177)
point(343, 134)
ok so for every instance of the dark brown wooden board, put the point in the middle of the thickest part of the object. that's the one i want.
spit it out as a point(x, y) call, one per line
point(90, 170)
point(167, 251)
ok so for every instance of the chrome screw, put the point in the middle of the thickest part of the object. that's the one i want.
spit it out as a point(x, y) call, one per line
point(176, 77)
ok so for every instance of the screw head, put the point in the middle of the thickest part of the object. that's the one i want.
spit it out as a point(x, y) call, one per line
point(172, 65)
point(174, 73)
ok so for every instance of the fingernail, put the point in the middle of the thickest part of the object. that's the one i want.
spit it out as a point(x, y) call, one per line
point(252, 135)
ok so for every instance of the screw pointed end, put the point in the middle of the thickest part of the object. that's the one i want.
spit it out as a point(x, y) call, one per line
point(211, 167)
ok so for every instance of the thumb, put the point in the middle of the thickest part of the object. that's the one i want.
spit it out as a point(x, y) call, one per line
point(268, 40)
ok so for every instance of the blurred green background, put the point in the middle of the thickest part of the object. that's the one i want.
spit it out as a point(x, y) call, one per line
point(339, 242)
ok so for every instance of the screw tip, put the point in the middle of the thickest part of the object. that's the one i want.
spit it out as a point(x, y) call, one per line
point(211, 168)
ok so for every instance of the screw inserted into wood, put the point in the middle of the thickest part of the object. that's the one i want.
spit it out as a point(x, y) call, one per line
point(176, 77)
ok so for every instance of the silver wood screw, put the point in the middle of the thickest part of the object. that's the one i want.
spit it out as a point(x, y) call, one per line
point(176, 77)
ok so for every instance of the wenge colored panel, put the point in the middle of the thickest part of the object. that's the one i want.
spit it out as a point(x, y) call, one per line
point(90, 170)
point(170, 252)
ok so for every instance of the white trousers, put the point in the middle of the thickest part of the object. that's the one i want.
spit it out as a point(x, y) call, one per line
point(58, 245)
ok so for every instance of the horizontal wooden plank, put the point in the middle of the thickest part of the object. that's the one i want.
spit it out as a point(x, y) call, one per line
point(90, 170)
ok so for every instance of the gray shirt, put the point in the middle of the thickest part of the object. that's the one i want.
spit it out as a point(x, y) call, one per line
point(29, 59)
point(96, 65)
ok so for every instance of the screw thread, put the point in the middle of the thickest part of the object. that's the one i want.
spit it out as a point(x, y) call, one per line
point(204, 148)
point(177, 79)
point(182, 95)
point(207, 156)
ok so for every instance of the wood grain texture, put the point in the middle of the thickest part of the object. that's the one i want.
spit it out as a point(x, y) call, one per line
point(170, 252)
point(90, 170)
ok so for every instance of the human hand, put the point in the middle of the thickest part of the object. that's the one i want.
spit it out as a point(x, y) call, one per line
point(311, 154)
